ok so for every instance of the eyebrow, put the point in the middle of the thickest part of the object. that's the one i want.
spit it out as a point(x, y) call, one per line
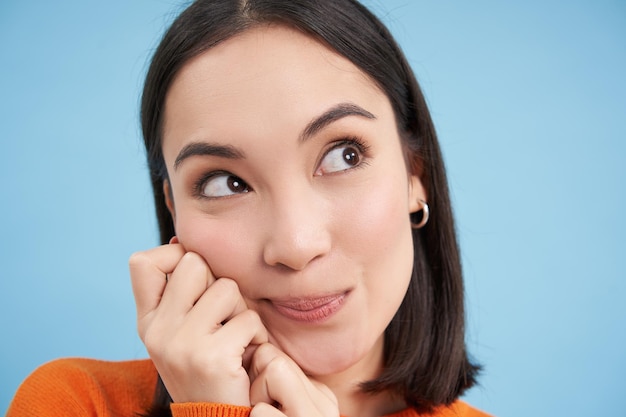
point(207, 149)
point(331, 115)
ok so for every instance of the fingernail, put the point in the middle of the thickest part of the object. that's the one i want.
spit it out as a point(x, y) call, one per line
point(174, 239)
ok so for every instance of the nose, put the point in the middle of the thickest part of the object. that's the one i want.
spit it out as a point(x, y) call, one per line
point(297, 233)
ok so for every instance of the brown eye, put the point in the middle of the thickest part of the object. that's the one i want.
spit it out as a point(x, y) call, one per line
point(340, 158)
point(351, 156)
point(223, 185)
point(236, 184)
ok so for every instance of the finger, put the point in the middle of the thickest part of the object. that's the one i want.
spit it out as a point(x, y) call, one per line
point(277, 378)
point(148, 270)
point(268, 353)
point(265, 410)
point(222, 313)
point(218, 303)
point(185, 285)
point(242, 331)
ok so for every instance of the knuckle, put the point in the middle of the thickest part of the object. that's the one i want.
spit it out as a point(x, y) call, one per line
point(229, 284)
point(142, 330)
point(262, 409)
point(153, 342)
point(263, 354)
point(278, 366)
point(228, 288)
point(192, 259)
point(194, 264)
point(266, 350)
point(251, 317)
point(138, 260)
point(159, 341)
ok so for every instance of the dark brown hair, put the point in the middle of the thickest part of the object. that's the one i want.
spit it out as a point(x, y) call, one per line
point(426, 360)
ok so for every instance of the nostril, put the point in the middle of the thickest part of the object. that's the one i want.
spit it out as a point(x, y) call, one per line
point(295, 255)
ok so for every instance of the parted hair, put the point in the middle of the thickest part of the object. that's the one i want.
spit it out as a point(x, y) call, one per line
point(425, 356)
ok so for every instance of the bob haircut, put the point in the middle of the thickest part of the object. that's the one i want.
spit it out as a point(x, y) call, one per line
point(425, 356)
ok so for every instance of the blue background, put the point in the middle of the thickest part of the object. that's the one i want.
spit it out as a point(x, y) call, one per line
point(530, 103)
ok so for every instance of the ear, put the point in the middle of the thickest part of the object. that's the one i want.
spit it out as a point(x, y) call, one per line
point(417, 193)
point(169, 199)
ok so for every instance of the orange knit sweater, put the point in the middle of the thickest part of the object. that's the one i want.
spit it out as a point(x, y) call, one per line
point(87, 387)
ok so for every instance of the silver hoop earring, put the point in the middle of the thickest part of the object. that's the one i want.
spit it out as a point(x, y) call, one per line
point(425, 215)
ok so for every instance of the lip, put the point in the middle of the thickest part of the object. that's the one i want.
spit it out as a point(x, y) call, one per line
point(311, 309)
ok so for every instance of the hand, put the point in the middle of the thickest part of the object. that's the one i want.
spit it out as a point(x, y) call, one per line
point(280, 388)
point(197, 329)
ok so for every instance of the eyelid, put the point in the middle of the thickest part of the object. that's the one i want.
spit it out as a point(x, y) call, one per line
point(355, 141)
point(200, 184)
point(348, 140)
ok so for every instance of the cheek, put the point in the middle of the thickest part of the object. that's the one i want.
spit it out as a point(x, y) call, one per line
point(379, 241)
point(224, 245)
point(379, 220)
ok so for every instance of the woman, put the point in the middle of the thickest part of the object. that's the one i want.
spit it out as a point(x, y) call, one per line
point(309, 265)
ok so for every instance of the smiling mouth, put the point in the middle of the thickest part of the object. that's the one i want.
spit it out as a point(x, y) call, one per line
point(310, 310)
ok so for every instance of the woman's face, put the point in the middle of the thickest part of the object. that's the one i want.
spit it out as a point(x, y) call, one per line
point(288, 176)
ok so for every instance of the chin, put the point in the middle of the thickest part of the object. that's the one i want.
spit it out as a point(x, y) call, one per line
point(319, 359)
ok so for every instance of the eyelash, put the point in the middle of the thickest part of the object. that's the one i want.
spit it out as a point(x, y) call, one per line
point(198, 186)
point(354, 141)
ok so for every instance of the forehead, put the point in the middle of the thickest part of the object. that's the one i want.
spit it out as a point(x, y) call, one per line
point(264, 76)
point(269, 47)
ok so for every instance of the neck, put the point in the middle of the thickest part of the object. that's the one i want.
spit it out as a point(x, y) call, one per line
point(353, 402)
